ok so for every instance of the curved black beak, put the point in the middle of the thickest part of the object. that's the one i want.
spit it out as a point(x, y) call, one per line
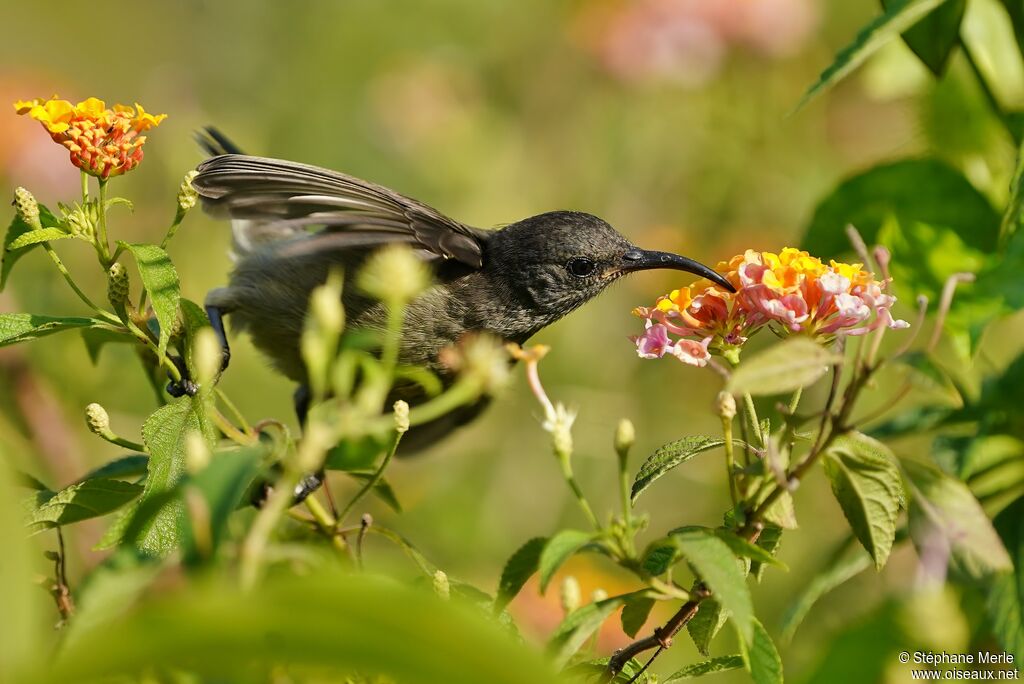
point(646, 259)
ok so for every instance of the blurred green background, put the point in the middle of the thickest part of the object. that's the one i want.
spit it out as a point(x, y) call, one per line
point(672, 120)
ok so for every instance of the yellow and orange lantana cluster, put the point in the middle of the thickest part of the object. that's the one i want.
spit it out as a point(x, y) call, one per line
point(102, 142)
point(792, 289)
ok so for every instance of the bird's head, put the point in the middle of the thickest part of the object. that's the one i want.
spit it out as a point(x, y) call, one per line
point(560, 260)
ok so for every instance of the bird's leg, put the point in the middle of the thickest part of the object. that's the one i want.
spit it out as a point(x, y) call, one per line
point(309, 483)
point(179, 388)
point(216, 316)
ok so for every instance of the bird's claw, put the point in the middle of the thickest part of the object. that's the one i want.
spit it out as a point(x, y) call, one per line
point(184, 386)
point(303, 489)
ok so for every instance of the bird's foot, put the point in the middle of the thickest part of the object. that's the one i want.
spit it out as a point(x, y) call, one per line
point(179, 388)
point(303, 489)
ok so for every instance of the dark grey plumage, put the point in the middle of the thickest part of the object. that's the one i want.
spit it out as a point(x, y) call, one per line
point(510, 282)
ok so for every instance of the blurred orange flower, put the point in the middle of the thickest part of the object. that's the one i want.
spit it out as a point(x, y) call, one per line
point(102, 142)
point(792, 290)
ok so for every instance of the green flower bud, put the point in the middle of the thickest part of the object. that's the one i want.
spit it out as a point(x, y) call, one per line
point(401, 417)
point(570, 594)
point(97, 419)
point(394, 275)
point(726, 405)
point(117, 285)
point(441, 586)
point(187, 195)
point(27, 208)
point(625, 435)
point(206, 356)
point(81, 220)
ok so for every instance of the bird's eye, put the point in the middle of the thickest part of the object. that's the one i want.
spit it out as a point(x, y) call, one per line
point(581, 267)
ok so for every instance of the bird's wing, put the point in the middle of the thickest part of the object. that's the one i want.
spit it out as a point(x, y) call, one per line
point(290, 197)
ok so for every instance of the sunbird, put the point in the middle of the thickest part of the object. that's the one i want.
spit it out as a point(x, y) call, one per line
point(294, 223)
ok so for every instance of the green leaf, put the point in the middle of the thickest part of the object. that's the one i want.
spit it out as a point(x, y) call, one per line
point(1005, 601)
point(19, 327)
point(558, 550)
point(716, 566)
point(847, 562)
point(744, 549)
point(866, 482)
point(34, 237)
point(717, 664)
point(221, 484)
point(586, 671)
point(635, 614)
point(328, 622)
point(160, 279)
point(705, 625)
point(14, 232)
point(925, 191)
point(659, 556)
point(577, 627)
point(793, 363)
point(1015, 8)
point(89, 499)
point(120, 468)
point(898, 17)
point(518, 569)
point(21, 630)
point(1013, 217)
point(770, 540)
point(933, 38)
point(96, 338)
point(762, 658)
point(164, 434)
point(382, 489)
point(667, 457)
point(946, 507)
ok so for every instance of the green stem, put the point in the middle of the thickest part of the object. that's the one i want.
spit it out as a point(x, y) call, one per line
point(389, 353)
point(101, 238)
point(85, 187)
point(233, 410)
point(374, 479)
point(255, 544)
point(327, 524)
point(627, 509)
point(794, 401)
point(570, 479)
point(755, 424)
point(178, 216)
point(730, 459)
point(106, 315)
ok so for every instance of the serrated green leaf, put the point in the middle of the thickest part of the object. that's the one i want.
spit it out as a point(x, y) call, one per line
point(705, 625)
point(867, 484)
point(160, 279)
point(934, 37)
point(89, 499)
point(847, 562)
point(761, 657)
point(667, 457)
point(659, 556)
point(900, 15)
point(518, 569)
point(134, 465)
point(20, 327)
point(926, 191)
point(577, 627)
point(35, 237)
point(164, 434)
point(770, 540)
point(716, 566)
point(558, 550)
point(586, 671)
point(744, 549)
point(793, 363)
point(944, 506)
point(635, 614)
point(16, 229)
point(717, 664)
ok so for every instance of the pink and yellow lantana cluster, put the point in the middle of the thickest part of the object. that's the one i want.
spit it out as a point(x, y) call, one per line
point(102, 142)
point(793, 290)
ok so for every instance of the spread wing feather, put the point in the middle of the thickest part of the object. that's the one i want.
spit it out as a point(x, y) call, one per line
point(289, 197)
